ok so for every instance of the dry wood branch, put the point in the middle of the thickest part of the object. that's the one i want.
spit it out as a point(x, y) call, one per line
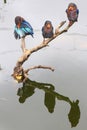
point(39, 67)
point(27, 53)
point(20, 75)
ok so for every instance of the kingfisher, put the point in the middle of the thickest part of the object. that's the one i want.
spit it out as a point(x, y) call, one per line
point(47, 30)
point(22, 28)
point(72, 13)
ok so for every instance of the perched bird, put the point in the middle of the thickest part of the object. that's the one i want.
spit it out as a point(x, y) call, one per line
point(47, 30)
point(72, 13)
point(22, 29)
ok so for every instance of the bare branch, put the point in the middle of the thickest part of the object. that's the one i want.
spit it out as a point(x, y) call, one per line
point(18, 69)
point(27, 53)
point(39, 67)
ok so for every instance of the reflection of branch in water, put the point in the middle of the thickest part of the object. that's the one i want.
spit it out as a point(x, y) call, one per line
point(5, 1)
point(50, 97)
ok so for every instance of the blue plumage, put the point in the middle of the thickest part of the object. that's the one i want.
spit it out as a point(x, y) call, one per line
point(22, 28)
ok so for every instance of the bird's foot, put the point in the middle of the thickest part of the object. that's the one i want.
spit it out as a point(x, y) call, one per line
point(43, 41)
point(25, 50)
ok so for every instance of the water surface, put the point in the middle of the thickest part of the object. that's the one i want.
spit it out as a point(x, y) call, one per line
point(67, 54)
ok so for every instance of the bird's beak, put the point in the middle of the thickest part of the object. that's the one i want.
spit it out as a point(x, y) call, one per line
point(48, 26)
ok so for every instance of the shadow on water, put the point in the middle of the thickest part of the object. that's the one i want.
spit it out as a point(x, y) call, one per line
point(50, 97)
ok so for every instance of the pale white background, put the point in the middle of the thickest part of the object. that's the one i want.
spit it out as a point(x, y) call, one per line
point(67, 54)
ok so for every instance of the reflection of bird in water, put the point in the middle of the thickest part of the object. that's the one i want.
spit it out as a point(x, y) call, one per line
point(72, 13)
point(25, 92)
point(47, 30)
point(74, 114)
point(49, 101)
point(50, 98)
